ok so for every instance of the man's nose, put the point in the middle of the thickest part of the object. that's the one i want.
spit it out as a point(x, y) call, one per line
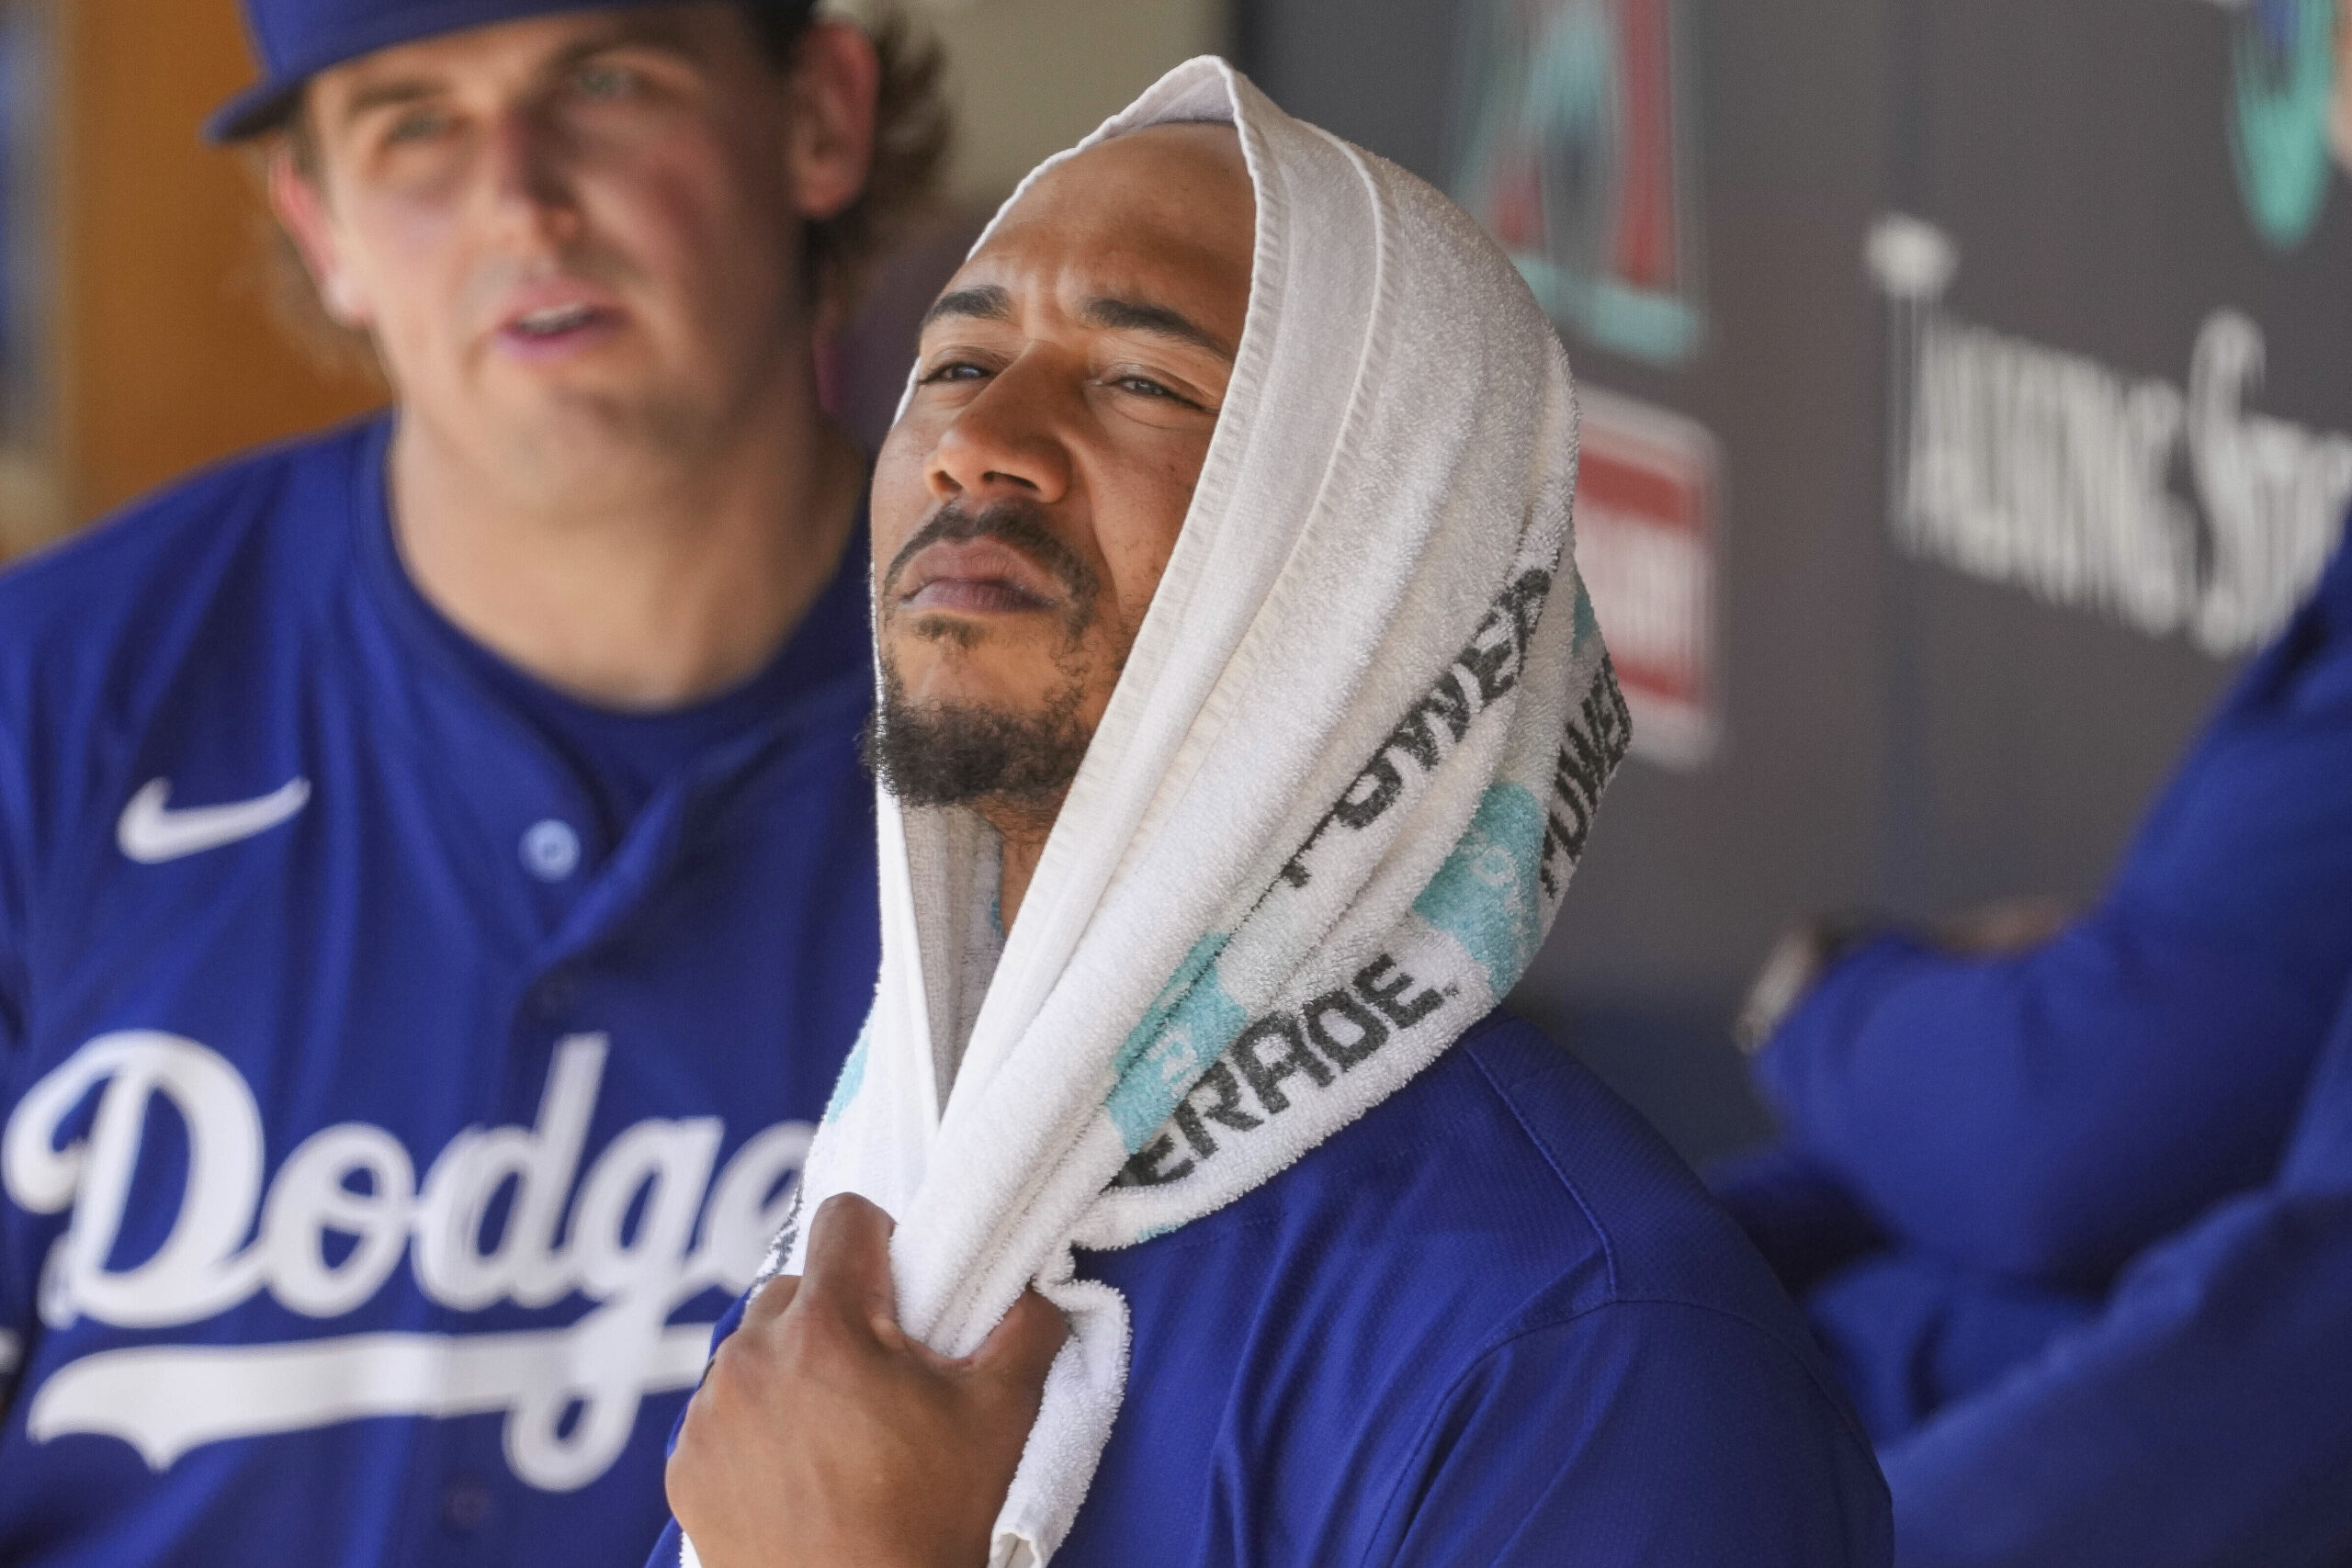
point(529, 181)
point(1004, 442)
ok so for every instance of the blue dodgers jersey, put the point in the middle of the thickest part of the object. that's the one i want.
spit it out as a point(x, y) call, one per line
point(1494, 1323)
point(382, 1135)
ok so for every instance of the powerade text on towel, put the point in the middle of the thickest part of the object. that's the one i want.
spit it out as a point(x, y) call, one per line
point(1349, 768)
point(400, 1067)
point(1493, 1325)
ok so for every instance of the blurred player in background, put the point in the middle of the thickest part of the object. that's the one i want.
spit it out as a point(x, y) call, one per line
point(435, 867)
point(2070, 1200)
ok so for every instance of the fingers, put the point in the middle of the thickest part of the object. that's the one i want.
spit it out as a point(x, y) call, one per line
point(772, 1301)
point(849, 1260)
point(1022, 1350)
point(848, 1275)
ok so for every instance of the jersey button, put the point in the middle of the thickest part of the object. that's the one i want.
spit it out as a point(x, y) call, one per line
point(464, 1507)
point(551, 851)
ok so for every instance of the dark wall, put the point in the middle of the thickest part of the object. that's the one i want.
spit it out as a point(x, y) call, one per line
point(1896, 733)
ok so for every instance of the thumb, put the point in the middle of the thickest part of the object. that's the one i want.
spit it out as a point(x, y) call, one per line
point(849, 1261)
point(1018, 1355)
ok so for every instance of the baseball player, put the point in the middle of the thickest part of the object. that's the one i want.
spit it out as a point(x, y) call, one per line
point(435, 865)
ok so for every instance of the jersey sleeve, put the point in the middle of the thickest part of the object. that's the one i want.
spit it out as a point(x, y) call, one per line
point(1643, 1433)
point(2221, 1358)
point(2048, 1116)
point(2052, 1114)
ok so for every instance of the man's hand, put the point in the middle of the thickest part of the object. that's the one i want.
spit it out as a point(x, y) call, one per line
point(1805, 952)
point(1811, 948)
point(826, 1437)
point(1999, 930)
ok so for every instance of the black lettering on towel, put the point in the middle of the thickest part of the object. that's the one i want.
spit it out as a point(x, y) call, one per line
point(1400, 1009)
point(1487, 671)
point(1280, 1058)
point(1266, 1076)
point(1450, 705)
point(1364, 1034)
point(1150, 1168)
point(1225, 1110)
point(1597, 735)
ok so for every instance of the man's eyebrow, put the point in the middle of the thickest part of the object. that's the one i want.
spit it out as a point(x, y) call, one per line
point(393, 94)
point(633, 29)
point(988, 304)
point(626, 32)
point(1135, 316)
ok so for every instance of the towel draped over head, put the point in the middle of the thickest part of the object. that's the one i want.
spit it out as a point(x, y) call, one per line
point(1322, 827)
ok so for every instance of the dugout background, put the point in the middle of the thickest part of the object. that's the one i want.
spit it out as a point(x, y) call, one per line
point(1895, 733)
point(1886, 731)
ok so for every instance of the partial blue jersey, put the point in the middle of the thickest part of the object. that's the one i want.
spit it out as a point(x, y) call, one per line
point(396, 1087)
point(1495, 1324)
point(2075, 1224)
point(2047, 1115)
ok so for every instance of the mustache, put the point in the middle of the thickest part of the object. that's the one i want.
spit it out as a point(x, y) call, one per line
point(1017, 524)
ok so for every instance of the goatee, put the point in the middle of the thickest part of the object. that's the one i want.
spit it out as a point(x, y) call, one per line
point(1011, 765)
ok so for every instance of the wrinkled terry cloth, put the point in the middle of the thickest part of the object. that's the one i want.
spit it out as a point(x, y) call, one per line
point(1360, 738)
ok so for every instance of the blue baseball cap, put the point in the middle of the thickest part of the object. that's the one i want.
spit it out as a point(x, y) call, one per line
point(296, 39)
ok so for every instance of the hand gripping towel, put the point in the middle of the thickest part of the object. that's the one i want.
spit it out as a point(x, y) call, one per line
point(1322, 827)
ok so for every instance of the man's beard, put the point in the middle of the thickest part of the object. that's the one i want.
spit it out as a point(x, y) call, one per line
point(1017, 765)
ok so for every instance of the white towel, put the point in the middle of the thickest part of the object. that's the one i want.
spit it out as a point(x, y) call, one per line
point(1321, 831)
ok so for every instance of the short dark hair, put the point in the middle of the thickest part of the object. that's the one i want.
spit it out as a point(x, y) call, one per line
point(777, 25)
point(913, 133)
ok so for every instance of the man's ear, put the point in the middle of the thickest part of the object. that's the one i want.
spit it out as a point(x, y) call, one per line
point(301, 206)
point(836, 80)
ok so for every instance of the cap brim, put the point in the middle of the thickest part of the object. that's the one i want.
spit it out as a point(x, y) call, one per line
point(264, 107)
point(260, 108)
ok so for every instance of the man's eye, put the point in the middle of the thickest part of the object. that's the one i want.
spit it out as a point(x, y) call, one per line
point(419, 125)
point(606, 83)
point(956, 370)
point(1144, 386)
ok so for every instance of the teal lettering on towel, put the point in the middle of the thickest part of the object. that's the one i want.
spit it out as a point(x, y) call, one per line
point(1186, 1029)
point(1486, 896)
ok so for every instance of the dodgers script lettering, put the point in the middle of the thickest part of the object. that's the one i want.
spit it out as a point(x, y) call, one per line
point(624, 1236)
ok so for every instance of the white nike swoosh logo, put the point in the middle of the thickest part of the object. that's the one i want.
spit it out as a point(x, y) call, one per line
point(151, 835)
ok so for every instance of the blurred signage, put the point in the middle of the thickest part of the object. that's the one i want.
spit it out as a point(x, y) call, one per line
point(2028, 464)
point(1646, 545)
point(1580, 161)
point(2292, 112)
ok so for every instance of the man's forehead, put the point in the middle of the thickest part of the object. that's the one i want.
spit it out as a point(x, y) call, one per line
point(1143, 221)
point(532, 43)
